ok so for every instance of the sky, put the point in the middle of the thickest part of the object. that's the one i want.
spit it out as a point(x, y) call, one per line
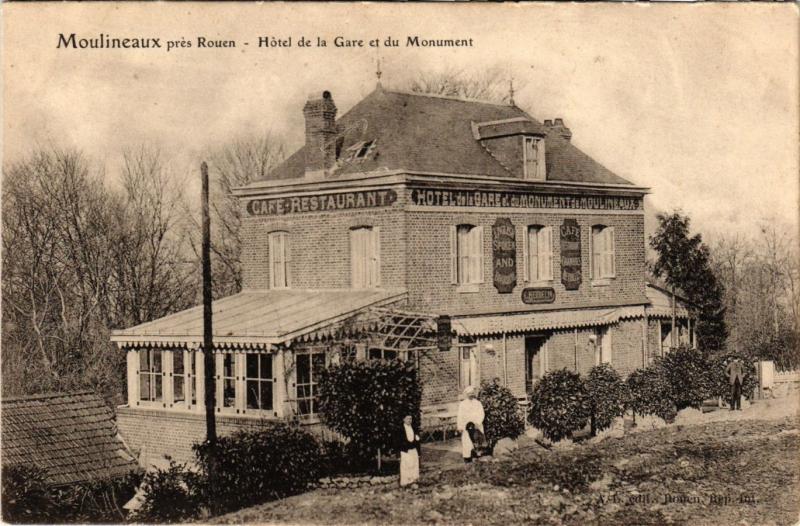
point(697, 102)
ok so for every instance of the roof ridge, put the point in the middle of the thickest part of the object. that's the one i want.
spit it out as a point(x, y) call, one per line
point(449, 97)
point(55, 394)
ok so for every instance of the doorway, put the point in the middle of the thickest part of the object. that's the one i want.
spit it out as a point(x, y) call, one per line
point(534, 359)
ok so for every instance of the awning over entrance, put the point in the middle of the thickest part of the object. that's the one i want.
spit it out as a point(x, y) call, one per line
point(540, 321)
point(258, 319)
point(661, 304)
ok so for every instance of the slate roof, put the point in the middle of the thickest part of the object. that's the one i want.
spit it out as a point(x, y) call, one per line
point(261, 317)
point(71, 435)
point(433, 134)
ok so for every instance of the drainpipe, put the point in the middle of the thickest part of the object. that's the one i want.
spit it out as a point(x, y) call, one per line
point(505, 361)
point(576, 349)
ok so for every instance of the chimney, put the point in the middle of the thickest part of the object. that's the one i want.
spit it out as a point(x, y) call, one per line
point(558, 127)
point(320, 115)
point(548, 123)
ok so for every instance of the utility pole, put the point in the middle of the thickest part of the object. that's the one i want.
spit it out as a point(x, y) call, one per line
point(208, 342)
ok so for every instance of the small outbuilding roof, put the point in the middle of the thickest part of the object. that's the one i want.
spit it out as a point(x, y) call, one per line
point(73, 436)
point(260, 318)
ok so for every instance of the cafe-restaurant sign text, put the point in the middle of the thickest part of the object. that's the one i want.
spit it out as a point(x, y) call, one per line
point(504, 255)
point(513, 199)
point(570, 254)
point(537, 295)
point(321, 202)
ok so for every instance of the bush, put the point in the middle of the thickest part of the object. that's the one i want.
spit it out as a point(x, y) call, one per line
point(688, 373)
point(720, 382)
point(366, 402)
point(340, 458)
point(503, 418)
point(254, 466)
point(174, 494)
point(26, 497)
point(651, 393)
point(559, 404)
point(608, 396)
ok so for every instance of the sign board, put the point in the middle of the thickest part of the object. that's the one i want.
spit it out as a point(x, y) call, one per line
point(504, 255)
point(321, 202)
point(537, 295)
point(570, 254)
point(520, 199)
point(444, 333)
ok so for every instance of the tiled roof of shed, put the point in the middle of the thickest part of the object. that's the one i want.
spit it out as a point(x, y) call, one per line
point(433, 134)
point(71, 435)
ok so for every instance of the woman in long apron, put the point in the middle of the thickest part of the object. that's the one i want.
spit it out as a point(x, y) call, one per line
point(409, 453)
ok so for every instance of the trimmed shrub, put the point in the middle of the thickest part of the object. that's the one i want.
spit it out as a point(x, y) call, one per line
point(688, 373)
point(651, 393)
point(174, 494)
point(503, 417)
point(720, 382)
point(559, 404)
point(254, 466)
point(608, 396)
point(26, 497)
point(366, 401)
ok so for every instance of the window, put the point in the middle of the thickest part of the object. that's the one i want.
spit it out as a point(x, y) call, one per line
point(226, 380)
point(603, 265)
point(539, 254)
point(602, 348)
point(365, 257)
point(466, 254)
point(468, 367)
point(151, 368)
point(534, 158)
point(279, 260)
point(382, 354)
point(258, 380)
point(182, 388)
point(360, 150)
point(309, 366)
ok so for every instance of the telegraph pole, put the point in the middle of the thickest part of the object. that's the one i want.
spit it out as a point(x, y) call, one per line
point(208, 345)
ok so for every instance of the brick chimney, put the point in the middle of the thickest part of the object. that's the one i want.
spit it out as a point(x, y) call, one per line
point(558, 127)
point(320, 115)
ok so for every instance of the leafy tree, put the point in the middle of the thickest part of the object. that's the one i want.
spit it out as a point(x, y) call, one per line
point(608, 396)
point(720, 381)
point(26, 497)
point(366, 401)
point(560, 404)
point(651, 393)
point(502, 415)
point(688, 373)
point(684, 263)
point(171, 495)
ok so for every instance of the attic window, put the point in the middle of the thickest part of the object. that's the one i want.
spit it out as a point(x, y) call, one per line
point(534, 158)
point(361, 150)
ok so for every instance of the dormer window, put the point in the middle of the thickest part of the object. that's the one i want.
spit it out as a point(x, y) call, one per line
point(360, 150)
point(534, 162)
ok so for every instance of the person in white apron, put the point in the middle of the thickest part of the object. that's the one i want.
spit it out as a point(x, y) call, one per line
point(409, 453)
point(470, 409)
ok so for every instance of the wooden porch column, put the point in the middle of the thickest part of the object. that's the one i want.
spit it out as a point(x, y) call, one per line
point(132, 359)
point(200, 379)
point(279, 381)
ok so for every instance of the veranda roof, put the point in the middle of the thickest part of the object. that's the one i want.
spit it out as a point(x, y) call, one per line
point(546, 320)
point(258, 319)
point(661, 304)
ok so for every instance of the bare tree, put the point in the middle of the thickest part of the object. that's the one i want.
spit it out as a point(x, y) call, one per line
point(492, 84)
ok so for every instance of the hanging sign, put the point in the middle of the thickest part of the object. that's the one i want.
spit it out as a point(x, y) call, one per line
point(504, 255)
point(444, 333)
point(537, 295)
point(571, 254)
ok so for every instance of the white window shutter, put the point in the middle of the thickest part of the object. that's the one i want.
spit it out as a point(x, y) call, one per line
point(525, 243)
point(356, 259)
point(611, 250)
point(375, 265)
point(595, 252)
point(453, 254)
point(546, 253)
point(287, 260)
point(478, 239)
point(540, 160)
point(271, 248)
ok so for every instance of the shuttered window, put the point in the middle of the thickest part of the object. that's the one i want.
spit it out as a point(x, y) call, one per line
point(466, 254)
point(365, 257)
point(538, 254)
point(603, 259)
point(534, 159)
point(279, 260)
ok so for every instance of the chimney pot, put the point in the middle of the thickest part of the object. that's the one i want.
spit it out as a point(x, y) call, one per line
point(558, 121)
point(548, 123)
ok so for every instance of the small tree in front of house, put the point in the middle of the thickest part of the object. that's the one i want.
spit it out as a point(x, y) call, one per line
point(366, 401)
point(503, 418)
point(608, 396)
point(559, 404)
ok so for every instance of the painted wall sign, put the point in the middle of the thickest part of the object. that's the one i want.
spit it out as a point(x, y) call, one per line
point(321, 202)
point(484, 199)
point(504, 255)
point(571, 254)
point(444, 332)
point(537, 295)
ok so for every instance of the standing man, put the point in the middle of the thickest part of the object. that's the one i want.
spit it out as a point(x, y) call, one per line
point(735, 372)
point(470, 411)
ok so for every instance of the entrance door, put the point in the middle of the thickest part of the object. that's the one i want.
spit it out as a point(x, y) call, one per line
point(468, 367)
point(533, 351)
